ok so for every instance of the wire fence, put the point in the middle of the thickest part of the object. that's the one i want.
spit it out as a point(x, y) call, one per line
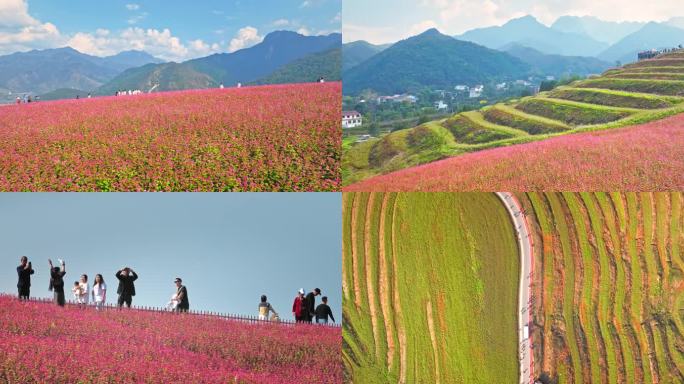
point(211, 314)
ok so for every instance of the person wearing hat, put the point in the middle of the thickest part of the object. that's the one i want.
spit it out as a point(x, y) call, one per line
point(181, 296)
point(298, 306)
point(126, 289)
point(310, 304)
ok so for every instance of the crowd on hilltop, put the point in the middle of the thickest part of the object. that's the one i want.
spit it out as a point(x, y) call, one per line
point(127, 92)
point(304, 308)
point(27, 99)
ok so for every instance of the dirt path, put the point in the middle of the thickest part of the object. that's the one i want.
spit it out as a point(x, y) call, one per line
point(354, 253)
point(433, 339)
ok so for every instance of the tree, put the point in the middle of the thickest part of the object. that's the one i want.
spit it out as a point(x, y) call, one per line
point(374, 129)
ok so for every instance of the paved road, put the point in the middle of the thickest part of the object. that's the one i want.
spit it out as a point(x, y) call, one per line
point(525, 295)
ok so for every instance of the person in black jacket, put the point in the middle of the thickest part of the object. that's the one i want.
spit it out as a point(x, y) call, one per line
point(57, 282)
point(323, 311)
point(126, 289)
point(24, 271)
point(182, 296)
point(310, 304)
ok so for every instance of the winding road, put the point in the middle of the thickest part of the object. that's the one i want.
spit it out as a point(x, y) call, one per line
point(525, 295)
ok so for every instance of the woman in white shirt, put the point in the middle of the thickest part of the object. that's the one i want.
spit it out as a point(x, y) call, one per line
point(99, 291)
point(85, 290)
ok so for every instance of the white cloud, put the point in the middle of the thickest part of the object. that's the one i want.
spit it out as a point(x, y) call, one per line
point(304, 31)
point(305, 4)
point(337, 18)
point(281, 22)
point(245, 38)
point(19, 31)
point(132, 7)
point(159, 43)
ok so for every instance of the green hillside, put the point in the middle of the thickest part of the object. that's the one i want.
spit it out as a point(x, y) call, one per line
point(169, 76)
point(431, 59)
point(614, 314)
point(430, 289)
point(636, 93)
point(308, 69)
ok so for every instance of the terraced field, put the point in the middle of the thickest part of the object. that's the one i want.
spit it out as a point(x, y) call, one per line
point(612, 286)
point(636, 93)
point(430, 285)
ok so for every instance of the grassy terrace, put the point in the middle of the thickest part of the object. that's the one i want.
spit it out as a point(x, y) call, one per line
point(430, 285)
point(612, 286)
point(637, 93)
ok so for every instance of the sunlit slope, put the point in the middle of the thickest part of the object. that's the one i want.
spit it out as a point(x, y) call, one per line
point(636, 93)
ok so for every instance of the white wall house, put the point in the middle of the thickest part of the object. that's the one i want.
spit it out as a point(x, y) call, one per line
point(441, 105)
point(476, 91)
point(351, 119)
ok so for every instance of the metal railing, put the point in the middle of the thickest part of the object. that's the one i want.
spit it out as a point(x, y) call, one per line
point(210, 314)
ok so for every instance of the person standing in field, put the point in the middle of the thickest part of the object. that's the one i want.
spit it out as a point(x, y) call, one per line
point(57, 282)
point(323, 311)
point(298, 306)
point(85, 289)
point(24, 271)
point(126, 290)
point(310, 304)
point(265, 308)
point(99, 292)
point(18, 100)
point(182, 296)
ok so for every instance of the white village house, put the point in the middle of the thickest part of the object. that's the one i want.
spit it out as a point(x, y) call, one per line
point(351, 119)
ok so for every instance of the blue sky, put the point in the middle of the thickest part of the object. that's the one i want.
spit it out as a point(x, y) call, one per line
point(386, 21)
point(228, 248)
point(173, 30)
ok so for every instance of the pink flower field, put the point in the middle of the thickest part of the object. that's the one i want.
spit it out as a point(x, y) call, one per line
point(647, 157)
point(42, 343)
point(269, 138)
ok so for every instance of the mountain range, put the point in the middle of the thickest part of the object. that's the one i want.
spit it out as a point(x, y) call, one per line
point(41, 71)
point(282, 56)
point(570, 46)
point(431, 59)
point(249, 65)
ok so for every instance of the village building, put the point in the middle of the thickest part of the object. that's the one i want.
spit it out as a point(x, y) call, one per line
point(351, 119)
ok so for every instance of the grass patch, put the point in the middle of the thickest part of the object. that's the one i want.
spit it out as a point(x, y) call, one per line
point(571, 113)
point(661, 87)
point(466, 130)
point(534, 125)
point(614, 98)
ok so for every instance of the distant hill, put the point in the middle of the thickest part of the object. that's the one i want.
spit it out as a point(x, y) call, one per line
point(308, 69)
point(608, 32)
point(557, 65)
point(41, 71)
point(63, 93)
point(246, 65)
point(431, 59)
point(650, 36)
point(529, 32)
point(357, 52)
point(167, 77)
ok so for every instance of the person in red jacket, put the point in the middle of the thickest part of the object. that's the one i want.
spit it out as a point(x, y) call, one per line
point(298, 309)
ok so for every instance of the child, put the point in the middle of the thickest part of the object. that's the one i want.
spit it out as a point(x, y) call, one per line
point(264, 309)
point(78, 293)
point(173, 304)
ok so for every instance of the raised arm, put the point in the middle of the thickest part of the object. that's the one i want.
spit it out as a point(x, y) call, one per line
point(135, 275)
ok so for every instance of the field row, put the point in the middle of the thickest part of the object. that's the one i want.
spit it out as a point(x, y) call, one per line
point(429, 297)
point(611, 286)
